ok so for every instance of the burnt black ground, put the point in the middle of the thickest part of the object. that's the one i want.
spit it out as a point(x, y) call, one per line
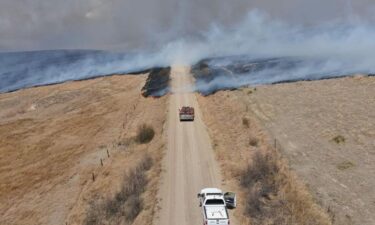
point(227, 73)
point(20, 70)
point(157, 83)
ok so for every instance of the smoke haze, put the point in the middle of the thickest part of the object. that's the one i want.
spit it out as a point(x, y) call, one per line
point(331, 37)
point(125, 24)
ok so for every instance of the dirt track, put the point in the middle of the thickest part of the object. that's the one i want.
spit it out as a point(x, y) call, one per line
point(189, 163)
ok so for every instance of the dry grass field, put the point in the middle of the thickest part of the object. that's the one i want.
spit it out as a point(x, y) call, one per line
point(54, 145)
point(325, 133)
point(90, 152)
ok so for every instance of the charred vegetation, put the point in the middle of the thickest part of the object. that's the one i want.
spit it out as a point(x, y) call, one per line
point(232, 72)
point(157, 83)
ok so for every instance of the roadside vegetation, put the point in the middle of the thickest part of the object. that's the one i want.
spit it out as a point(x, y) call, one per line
point(127, 203)
point(245, 122)
point(274, 196)
point(145, 134)
point(339, 139)
point(345, 165)
point(253, 141)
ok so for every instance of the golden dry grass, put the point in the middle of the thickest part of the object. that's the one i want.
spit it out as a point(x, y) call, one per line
point(273, 194)
point(326, 131)
point(54, 138)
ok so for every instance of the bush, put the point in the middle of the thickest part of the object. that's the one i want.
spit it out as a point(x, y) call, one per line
point(127, 203)
point(339, 139)
point(246, 122)
point(261, 182)
point(94, 215)
point(262, 168)
point(146, 163)
point(345, 165)
point(253, 141)
point(133, 207)
point(145, 134)
point(260, 207)
point(272, 196)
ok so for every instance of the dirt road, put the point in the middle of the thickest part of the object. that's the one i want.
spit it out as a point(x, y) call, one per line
point(189, 163)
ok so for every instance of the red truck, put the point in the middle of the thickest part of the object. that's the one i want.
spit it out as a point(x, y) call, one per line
point(186, 113)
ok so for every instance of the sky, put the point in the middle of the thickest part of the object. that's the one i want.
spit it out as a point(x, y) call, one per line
point(128, 25)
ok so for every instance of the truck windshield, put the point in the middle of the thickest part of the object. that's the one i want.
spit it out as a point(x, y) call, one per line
point(214, 202)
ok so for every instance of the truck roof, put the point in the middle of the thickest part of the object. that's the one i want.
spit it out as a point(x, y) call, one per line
point(216, 212)
point(212, 190)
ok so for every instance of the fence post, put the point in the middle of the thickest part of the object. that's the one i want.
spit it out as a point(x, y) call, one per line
point(93, 177)
point(107, 153)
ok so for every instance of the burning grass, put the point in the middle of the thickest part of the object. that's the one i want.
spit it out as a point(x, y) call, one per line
point(157, 83)
point(127, 203)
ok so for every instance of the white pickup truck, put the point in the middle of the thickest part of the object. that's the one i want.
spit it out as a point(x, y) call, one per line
point(214, 205)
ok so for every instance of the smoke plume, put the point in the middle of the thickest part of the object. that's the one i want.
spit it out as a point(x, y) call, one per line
point(323, 38)
point(125, 25)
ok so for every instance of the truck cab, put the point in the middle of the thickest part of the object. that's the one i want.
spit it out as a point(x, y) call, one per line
point(186, 113)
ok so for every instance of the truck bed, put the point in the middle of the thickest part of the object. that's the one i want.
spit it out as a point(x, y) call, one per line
point(216, 212)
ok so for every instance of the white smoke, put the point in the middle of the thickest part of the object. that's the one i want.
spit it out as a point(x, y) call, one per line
point(186, 32)
point(331, 49)
point(260, 36)
point(127, 25)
